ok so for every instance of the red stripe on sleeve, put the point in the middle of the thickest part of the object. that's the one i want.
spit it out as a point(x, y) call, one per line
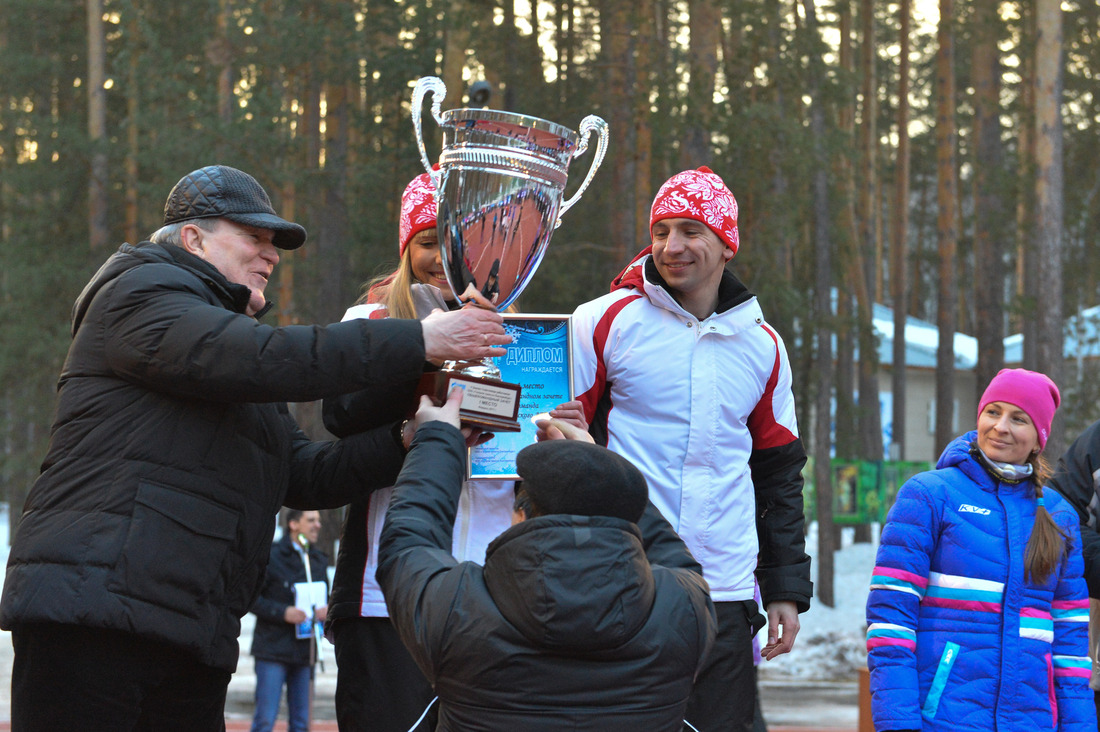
point(591, 397)
point(765, 431)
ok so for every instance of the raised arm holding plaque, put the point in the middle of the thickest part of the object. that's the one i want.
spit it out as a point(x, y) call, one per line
point(499, 188)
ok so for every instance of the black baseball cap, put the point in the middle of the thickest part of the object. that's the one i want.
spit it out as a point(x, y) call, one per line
point(218, 191)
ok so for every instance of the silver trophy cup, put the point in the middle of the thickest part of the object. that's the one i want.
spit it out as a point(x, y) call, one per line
point(499, 188)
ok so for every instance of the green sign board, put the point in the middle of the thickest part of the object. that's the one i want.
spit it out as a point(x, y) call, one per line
point(863, 490)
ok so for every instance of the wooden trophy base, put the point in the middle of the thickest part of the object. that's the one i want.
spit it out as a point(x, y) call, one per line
point(488, 404)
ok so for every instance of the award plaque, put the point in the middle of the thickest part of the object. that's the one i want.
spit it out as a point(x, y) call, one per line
point(539, 358)
point(499, 189)
point(488, 401)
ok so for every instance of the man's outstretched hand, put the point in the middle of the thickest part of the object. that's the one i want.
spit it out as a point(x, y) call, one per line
point(467, 334)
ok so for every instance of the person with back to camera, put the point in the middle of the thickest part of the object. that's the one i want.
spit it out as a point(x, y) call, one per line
point(589, 614)
point(976, 618)
point(378, 687)
point(145, 538)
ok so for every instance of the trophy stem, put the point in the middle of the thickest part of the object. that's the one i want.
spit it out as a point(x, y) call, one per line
point(482, 368)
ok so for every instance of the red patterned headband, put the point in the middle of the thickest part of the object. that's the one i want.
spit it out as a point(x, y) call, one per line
point(702, 196)
point(418, 210)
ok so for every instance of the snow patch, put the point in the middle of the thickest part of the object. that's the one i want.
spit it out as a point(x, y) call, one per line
point(831, 643)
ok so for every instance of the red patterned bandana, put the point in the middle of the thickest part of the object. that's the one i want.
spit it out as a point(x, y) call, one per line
point(699, 195)
point(418, 209)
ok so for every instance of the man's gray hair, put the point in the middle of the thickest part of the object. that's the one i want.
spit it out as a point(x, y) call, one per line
point(170, 233)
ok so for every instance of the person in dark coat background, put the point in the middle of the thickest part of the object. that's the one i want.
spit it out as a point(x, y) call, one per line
point(589, 613)
point(1077, 478)
point(282, 656)
point(145, 538)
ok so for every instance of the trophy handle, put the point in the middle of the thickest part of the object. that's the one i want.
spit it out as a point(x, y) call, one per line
point(428, 85)
point(589, 124)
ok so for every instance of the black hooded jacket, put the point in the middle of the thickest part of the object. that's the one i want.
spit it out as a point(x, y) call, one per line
point(574, 622)
point(173, 449)
point(1077, 477)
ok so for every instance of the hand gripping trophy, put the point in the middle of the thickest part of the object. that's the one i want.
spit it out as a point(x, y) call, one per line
point(499, 187)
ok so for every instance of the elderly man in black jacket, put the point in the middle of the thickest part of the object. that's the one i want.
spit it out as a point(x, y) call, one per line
point(589, 614)
point(144, 540)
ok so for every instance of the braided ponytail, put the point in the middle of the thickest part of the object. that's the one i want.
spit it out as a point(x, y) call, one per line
point(1047, 545)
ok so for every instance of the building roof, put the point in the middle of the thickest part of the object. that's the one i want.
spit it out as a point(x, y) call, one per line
point(922, 339)
point(1081, 338)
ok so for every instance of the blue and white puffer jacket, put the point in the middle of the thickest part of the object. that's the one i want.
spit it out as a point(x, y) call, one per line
point(957, 639)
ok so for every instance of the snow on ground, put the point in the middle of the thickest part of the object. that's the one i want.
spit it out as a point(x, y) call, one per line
point(831, 643)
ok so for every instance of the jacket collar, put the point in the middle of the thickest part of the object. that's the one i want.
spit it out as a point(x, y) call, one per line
point(958, 455)
point(235, 297)
point(232, 296)
point(731, 291)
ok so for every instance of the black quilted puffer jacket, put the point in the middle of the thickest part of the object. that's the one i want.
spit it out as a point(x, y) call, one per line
point(173, 449)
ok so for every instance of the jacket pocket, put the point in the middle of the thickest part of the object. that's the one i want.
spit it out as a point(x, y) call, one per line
point(939, 681)
point(1050, 688)
point(174, 549)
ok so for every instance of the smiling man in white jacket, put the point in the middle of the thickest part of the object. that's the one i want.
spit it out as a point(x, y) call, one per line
point(679, 372)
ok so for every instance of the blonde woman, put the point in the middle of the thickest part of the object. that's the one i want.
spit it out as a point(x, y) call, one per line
point(378, 687)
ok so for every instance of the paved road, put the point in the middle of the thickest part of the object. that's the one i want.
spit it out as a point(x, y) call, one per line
point(789, 706)
point(811, 704)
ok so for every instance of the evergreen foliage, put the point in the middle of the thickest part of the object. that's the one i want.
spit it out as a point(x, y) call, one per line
point(317, 108)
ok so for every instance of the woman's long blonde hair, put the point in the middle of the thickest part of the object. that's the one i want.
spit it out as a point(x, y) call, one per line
point(393, 291)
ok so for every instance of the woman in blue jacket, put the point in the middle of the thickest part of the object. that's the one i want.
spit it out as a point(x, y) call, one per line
point(978, 613)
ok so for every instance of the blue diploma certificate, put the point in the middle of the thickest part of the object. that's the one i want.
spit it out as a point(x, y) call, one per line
point(538, 359)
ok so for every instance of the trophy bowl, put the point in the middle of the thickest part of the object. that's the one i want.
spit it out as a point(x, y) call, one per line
point(499, 190)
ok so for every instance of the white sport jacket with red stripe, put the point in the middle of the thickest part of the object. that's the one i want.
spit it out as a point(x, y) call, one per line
point(705, 410)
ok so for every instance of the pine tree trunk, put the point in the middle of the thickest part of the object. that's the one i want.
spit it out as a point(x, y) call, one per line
point(646, 52)
point(846, 418)
point(946, 226)
point(870, 417)
point(332, 241)
point(899, 252)
point(989, 229)
point(1049, 202)
point(133, 139)
point(826, 529)
point(98, 230)
point(457, 40)
point(617, 50)
point(705, 24)
point(1026, 256)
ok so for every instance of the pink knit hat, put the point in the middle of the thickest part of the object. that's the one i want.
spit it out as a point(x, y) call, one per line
point(702, 196)
point(418, 210)
point(1032, 392)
